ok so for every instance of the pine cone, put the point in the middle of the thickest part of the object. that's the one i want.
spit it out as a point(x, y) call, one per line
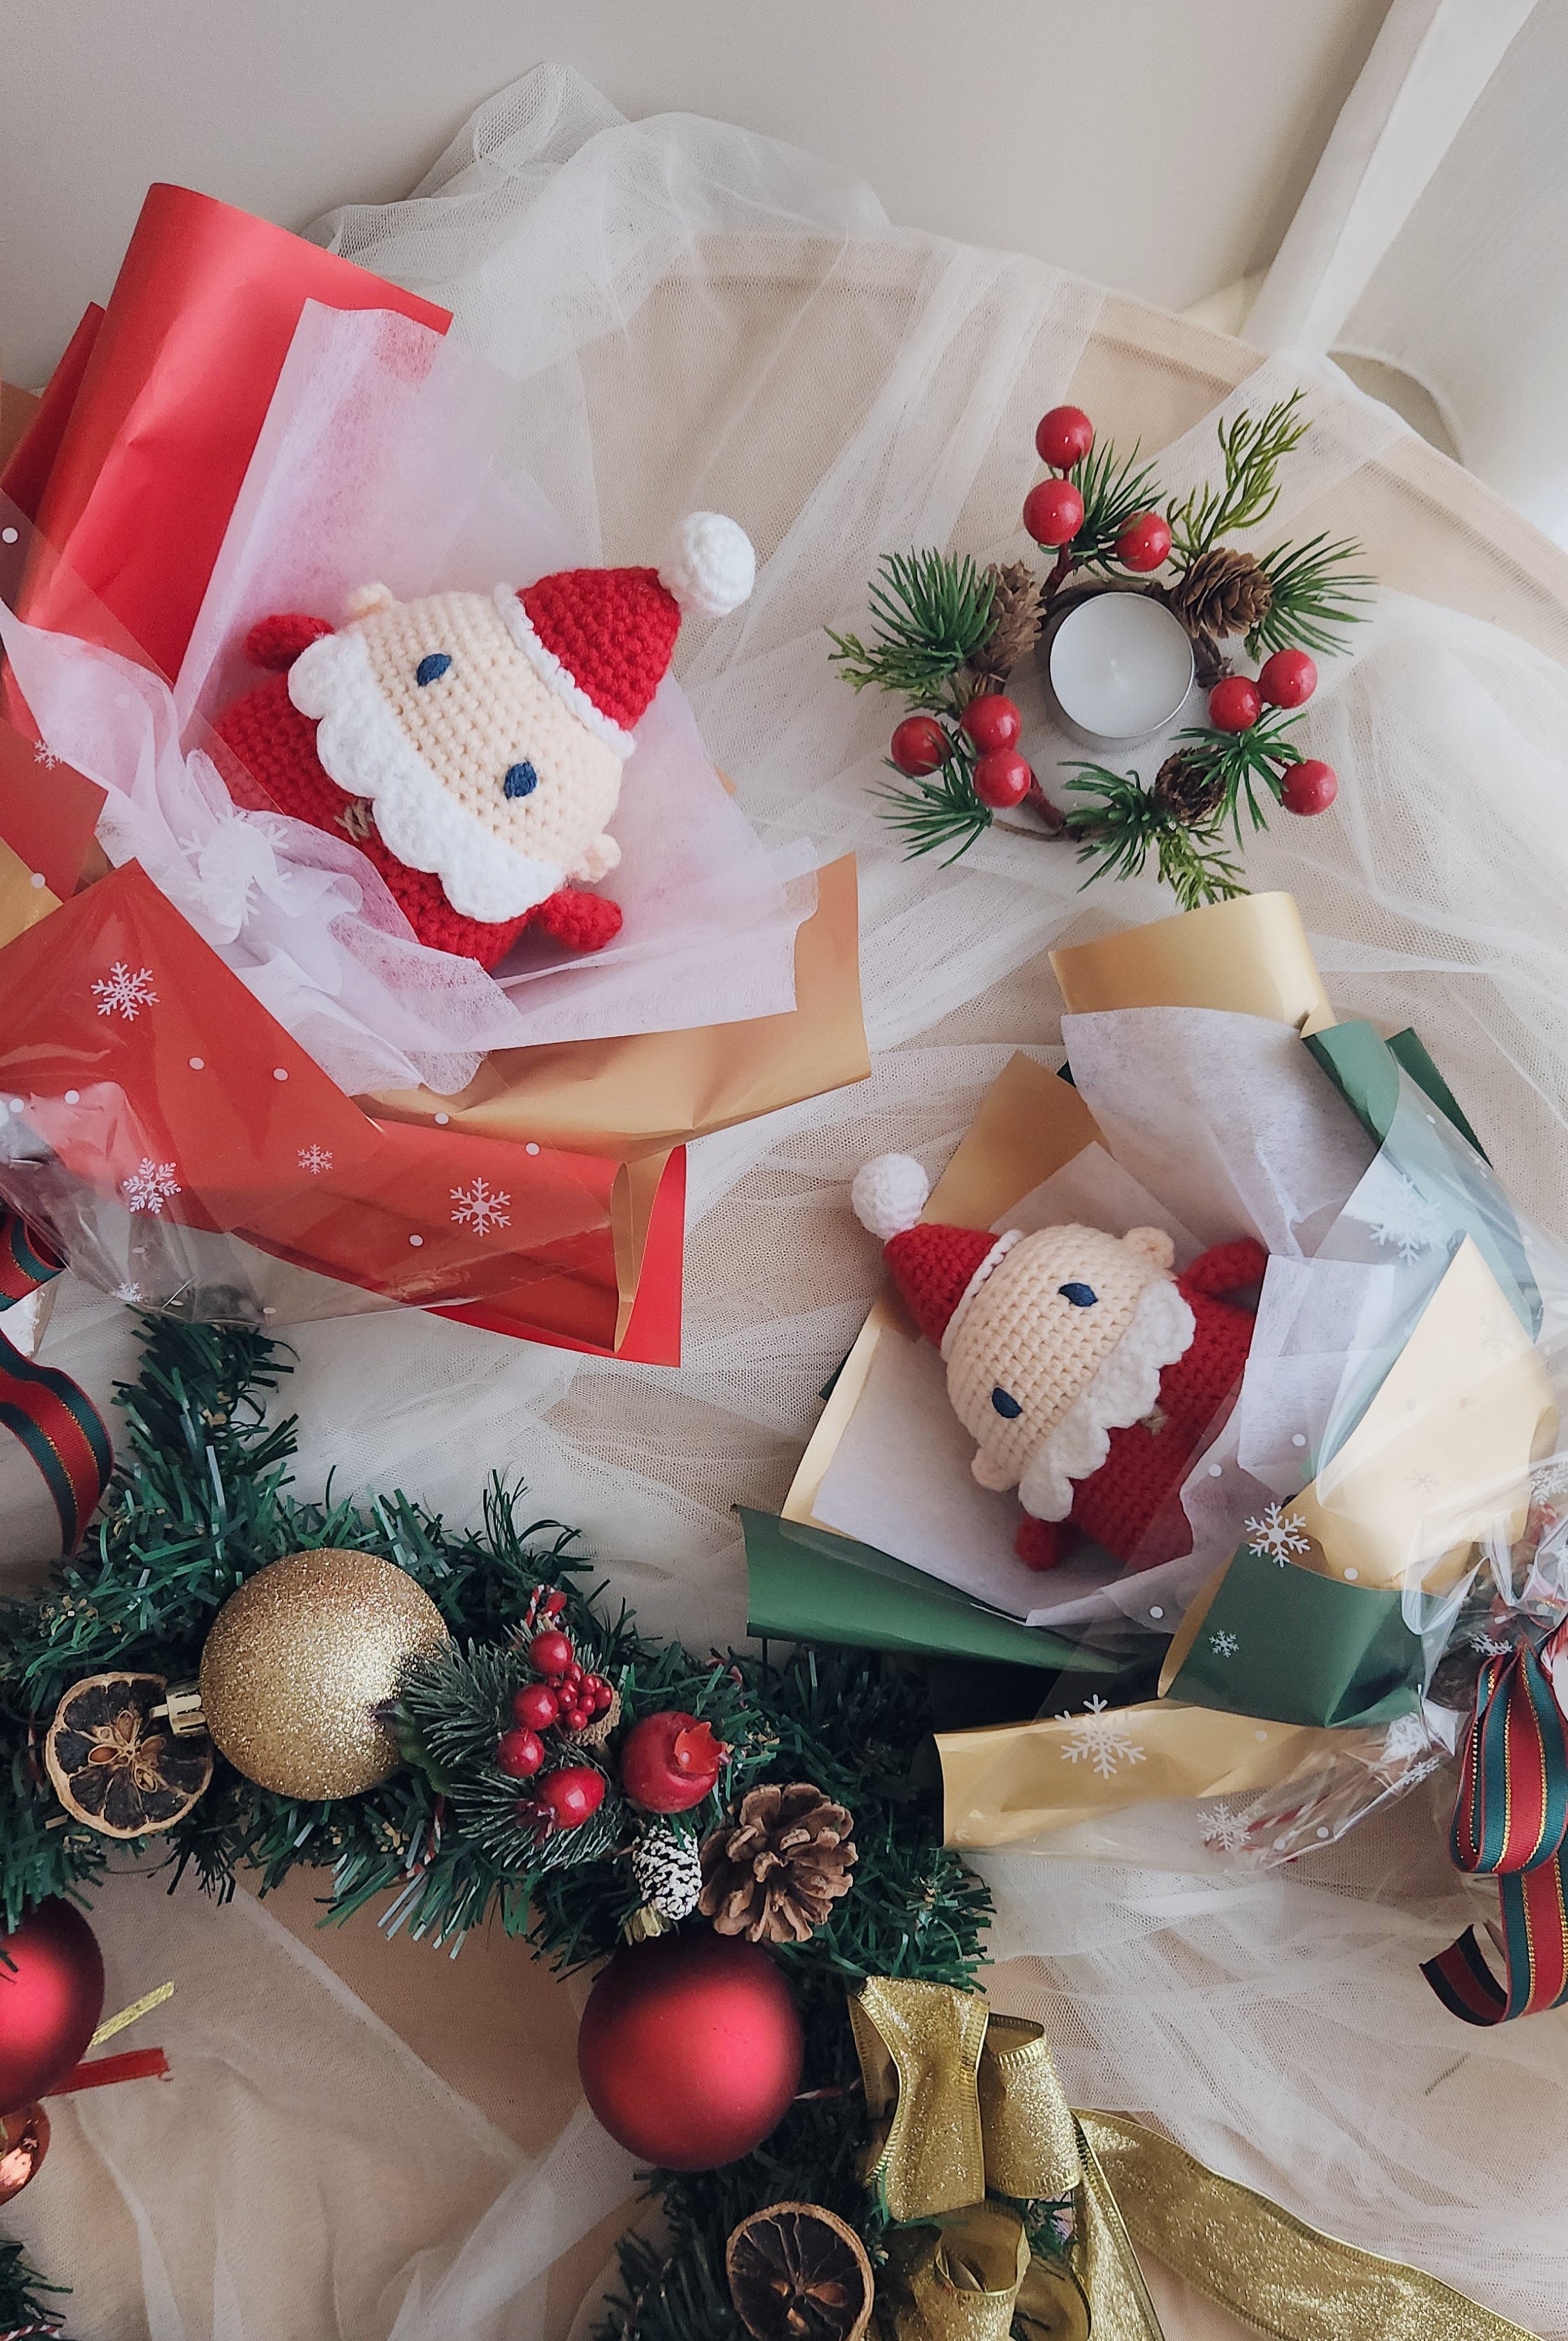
point(667, 1871)
point(1188, 787)
point(774, 1872)
point(1015, 623)
point(1224, 592)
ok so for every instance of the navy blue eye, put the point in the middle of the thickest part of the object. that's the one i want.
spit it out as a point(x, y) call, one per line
point(1081, 1295)
point(522, 780)
point(1004, 1404)
point(432, 669)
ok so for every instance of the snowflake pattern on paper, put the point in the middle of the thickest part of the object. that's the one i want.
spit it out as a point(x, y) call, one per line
point(1223, 1645)
point(1278, 1535)
point(1412, 1225)
point(1551, 1480)
point(315, 1159)
point(125, 991)
point(44, 754)
point(1224, 1828)
point(1489, 1646)
point(150, 1185)
point(131, 1294)
point(1103, 1738)
point(479, 1207)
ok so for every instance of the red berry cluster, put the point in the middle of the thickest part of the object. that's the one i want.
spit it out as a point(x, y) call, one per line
point(991, 723)
point(566, 1699)
point(1053, 508)
point(1289, 679)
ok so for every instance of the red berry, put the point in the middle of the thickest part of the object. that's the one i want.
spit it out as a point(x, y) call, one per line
point(1064, 437)
point(550, 1653)
point(991, 721)
point(919, 745)
point(1310, 787)
point(519, 1754)
point(1145, 541)
point(535, 1707)
point(572, 1796)
point(1053, 512)
point(1289, 679)
point(1234, 705)
point(598, 1691)
point(1003, 779)
point(670, 1762)
point(571, 1675)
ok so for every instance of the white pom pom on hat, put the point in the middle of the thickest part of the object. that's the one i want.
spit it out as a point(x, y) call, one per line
point(710, 566)
point(889, 1194)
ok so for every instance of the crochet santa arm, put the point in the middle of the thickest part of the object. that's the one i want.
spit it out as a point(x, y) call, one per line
point(1224, 1267)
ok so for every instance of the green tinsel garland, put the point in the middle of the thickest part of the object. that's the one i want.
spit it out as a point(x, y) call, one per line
point(201, 1502)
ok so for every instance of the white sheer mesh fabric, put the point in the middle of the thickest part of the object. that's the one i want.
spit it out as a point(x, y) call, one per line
point(701, 318)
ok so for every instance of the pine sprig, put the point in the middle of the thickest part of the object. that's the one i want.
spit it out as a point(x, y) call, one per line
point(1252, 448)
point(23, 2309)
point(932, 612)
point(936, 813)
point(1315, 598)
point(1115, 489)
point(1247, 768)
point(1126, 825)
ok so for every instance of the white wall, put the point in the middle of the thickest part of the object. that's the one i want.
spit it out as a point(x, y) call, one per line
point(1157, 145)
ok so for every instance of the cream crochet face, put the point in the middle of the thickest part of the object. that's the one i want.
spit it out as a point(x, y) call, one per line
point(434, 757)
point(1068, 1312)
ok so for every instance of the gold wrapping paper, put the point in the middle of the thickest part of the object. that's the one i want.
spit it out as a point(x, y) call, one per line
point(1250, 956)
point(645, 1093)
point(1013, 1784)
point(22, 904)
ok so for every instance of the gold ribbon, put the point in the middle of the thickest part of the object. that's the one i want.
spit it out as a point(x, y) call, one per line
point(971, 2129)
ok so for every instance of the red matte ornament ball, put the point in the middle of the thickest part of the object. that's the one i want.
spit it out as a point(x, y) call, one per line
point(670, 1762)
point(1053, 512)
point(919, 745)
point(1145, 541)
point(519, 1754)
point(991, 721)
point(1289, 679)
point(690, 2049)
point(51, 2000)
point(550, 1653)
point(1003, 779)
point(1234, 705)
point(1064, 437)
point(1310, 787)
point(570, 1796)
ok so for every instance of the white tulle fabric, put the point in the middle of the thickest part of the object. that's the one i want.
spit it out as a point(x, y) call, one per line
point(699, 318)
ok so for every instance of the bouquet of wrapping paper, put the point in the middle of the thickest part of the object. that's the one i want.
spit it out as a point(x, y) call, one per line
point(1222, 1369)
point(373, 928)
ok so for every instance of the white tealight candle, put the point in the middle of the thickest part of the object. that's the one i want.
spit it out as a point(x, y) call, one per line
point(1120, 666)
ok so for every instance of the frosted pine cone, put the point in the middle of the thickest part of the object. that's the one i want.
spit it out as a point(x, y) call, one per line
point(667, 1871)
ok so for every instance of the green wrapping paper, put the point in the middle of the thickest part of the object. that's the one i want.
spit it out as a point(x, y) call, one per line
point(1298, 1648)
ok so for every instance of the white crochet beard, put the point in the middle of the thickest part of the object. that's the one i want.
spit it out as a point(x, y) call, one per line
point(363, 748)
point(1124, 1392)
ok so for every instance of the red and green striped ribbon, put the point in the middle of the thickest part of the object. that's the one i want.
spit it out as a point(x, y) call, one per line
point(1511, 1822)
point(57, 1423)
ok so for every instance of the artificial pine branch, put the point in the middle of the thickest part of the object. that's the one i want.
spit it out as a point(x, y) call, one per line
point(1115, 489)
point(1252, 448)
point(933, 811)
point(932, 613)
point(1128, 823)
point(23, 2309)
point(1245, 768)
point(1315, 600)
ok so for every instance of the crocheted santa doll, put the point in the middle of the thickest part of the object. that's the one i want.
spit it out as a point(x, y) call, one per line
point(471, 744)
point(1089, 1375)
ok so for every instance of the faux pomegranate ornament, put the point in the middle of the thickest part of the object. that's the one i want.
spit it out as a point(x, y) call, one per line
point(670, 1762)
point(690, 2049)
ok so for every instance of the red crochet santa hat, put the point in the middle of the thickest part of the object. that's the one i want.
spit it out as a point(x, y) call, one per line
point(938, 1269)
point(603, 638)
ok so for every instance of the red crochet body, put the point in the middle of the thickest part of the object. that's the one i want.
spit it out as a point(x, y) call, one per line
point(277, 745)
point(1132, 1504)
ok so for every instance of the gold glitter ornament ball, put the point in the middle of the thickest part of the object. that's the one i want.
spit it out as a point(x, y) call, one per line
point(298, 1662)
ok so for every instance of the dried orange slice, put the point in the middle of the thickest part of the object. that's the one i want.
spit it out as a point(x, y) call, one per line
point(115, 1765)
